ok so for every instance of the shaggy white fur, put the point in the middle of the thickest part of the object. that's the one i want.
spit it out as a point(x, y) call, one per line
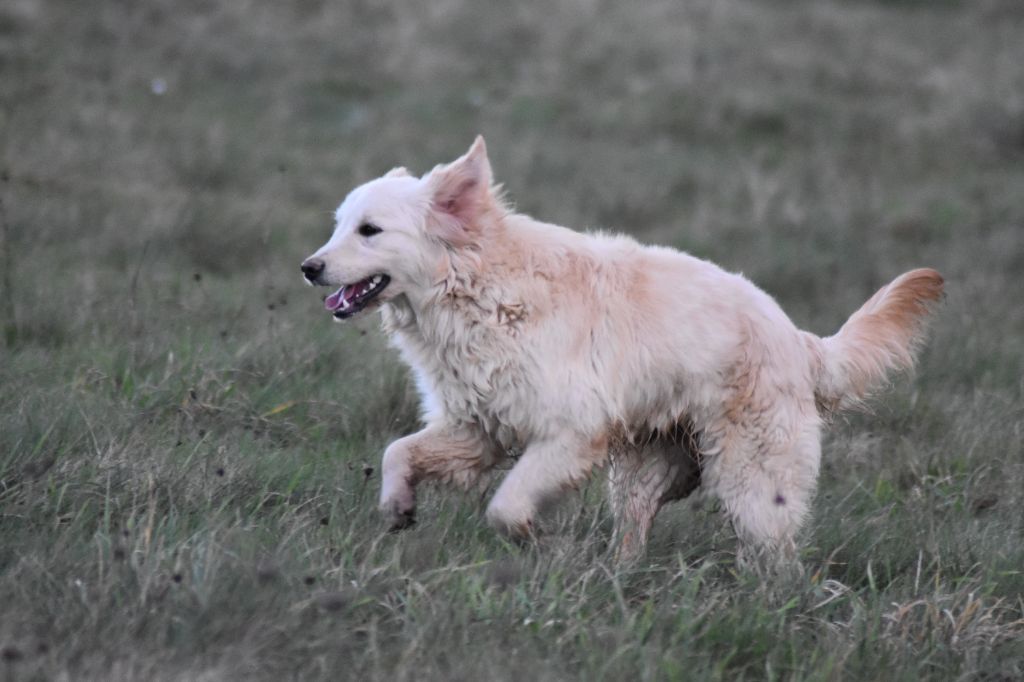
point(583, 349)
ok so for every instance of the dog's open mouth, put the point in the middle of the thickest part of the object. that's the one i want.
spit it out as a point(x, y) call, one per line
point(351, 298)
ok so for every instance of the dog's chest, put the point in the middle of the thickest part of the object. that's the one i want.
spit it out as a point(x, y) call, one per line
point(477, 376)
point(490, 398)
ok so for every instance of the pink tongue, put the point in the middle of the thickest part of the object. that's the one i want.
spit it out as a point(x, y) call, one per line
point(334, 300)
point(346, 293)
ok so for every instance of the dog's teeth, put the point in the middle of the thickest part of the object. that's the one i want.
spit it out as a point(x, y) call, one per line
point(377, 279)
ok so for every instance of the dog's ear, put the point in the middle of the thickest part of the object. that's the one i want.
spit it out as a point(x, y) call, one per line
point(459, 193)
point(399, 172)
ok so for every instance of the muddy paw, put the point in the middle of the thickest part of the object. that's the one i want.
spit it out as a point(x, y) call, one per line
point(401, 520)
point(518, 528)
point(398, 503)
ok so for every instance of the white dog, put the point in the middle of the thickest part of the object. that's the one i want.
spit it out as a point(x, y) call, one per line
point(580, 349)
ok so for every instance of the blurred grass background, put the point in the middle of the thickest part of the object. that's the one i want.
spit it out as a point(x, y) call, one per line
point(188, 445)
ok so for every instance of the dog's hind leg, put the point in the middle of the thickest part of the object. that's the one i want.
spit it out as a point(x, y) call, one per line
point(767, 490)
point(547, 469)
point(457, 456)
point(641, 480)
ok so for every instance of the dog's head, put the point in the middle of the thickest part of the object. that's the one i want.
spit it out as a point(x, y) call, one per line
point(391, 234)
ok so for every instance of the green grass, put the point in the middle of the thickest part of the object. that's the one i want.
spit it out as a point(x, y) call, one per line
point(188, 447)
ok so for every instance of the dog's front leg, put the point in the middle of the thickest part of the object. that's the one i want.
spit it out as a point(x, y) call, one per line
point(454, 455)
point(547, 469)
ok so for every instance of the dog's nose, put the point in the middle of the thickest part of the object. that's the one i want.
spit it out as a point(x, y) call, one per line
point(311, 268)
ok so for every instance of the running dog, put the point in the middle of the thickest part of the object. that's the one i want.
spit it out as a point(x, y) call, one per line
point(577, 351)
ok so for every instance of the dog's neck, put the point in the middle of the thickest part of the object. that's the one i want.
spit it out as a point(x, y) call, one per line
point(466, 300)
point(440, 331)
point(463, 298)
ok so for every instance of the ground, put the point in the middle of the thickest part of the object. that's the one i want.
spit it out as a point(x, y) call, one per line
point(189, 447)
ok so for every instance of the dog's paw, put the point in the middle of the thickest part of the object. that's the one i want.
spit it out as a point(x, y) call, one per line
point(398, 504)
point(513, 521)
point(402, 520)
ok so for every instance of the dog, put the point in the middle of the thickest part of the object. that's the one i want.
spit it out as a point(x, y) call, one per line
point(569, 351)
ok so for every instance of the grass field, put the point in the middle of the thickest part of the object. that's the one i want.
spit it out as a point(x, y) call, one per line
point(188, 444)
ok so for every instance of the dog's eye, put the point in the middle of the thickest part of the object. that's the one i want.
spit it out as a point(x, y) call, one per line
point(368, 230)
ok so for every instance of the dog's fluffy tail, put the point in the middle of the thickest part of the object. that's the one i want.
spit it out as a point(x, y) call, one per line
point(883, 336)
